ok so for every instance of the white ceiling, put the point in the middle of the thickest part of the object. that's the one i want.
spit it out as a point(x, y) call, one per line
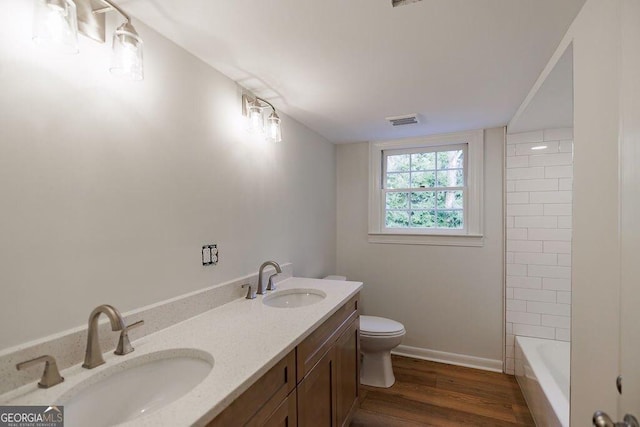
point(342, 66)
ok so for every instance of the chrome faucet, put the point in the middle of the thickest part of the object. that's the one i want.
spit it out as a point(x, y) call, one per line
point(274, 264)
point(93, 354)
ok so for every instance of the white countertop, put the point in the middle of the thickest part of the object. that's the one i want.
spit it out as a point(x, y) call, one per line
point(245, 338)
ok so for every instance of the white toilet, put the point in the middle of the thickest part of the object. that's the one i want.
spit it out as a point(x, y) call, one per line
point(378, 336)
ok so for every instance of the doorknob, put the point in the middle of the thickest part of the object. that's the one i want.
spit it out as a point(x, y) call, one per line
point(601, 419)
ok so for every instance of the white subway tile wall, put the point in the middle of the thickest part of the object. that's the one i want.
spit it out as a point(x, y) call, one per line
point(539, 182)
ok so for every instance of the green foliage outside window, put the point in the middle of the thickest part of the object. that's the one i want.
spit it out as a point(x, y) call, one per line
point(427, 203)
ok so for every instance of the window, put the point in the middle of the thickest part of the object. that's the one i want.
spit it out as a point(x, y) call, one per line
point(427, 190)
point(424, 188)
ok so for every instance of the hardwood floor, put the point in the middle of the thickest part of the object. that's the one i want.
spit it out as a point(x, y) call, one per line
point(435, 394)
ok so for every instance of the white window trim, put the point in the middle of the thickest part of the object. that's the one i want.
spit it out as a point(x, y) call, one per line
point(472, 234)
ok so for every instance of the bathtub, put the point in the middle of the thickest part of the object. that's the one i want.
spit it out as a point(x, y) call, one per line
point(542, 371)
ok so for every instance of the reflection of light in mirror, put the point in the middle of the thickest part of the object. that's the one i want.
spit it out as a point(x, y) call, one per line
point(539, 147)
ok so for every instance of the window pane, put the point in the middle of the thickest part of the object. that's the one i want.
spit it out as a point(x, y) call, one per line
point(397, 200)
point(451, 178)
point(399, 163)
point(423, 200)
point(397, 180)
point(450, 219)
point(423, 161)
point(423, 179)
point(450, 159)
point(450, 200)
point(397, 219)
point(423, 219)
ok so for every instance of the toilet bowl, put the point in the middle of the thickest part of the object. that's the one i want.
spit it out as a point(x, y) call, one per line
point(378, 336)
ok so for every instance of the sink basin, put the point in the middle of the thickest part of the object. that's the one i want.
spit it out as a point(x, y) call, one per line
point(135, 388)
point(292, 298)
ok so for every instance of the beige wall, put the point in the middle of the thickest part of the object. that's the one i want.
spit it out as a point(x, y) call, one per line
point(450, 299)
point(109, 188)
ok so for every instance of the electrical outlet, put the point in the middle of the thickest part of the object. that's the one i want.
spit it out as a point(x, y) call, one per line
point(206, 255)
point(214, 254)
point(210, 255)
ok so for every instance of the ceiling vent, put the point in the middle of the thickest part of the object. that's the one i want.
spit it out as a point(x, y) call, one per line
point(397, 3)
point(409, 119)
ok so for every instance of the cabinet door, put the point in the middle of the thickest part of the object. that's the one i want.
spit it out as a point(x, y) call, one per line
point(316, 394)
point(347, 373)
point(286, 414)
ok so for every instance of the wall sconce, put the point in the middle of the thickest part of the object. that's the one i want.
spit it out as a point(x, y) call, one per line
point(57, 23)
point(253, 109)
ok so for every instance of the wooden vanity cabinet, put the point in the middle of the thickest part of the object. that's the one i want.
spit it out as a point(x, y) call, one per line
point(311, 350)
point(317, 393)
point(347, 350)
point(329, 393)
point(328, 370)
point(286, 415)
point(316, 385)
point(256, 405)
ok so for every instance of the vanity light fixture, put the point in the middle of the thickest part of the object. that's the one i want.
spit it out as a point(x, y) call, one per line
point(539, 147)
point(57, 23)
point(256, 120)
point(253, 108)
point(126, 60)
point(274, 132)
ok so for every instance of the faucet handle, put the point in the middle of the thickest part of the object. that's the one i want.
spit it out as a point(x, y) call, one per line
point(271, 286)
point(251, 294)
point(50, 376)
point(124, 345)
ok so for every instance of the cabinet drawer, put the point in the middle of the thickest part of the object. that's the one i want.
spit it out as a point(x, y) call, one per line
point(285, 415)
point(311, 350)
point(265, 395)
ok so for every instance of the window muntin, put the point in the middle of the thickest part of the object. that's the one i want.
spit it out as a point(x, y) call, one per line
point(424, 188)
point(472, 180)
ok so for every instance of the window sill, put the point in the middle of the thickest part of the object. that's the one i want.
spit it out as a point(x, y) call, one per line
point(471, 240)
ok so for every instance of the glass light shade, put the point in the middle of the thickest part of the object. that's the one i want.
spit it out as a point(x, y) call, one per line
point(273, 128)
point(126, 59)
point(256, 121)
point(55, 25)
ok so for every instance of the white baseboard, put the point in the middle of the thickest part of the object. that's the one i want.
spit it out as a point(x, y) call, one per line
point(449, 358)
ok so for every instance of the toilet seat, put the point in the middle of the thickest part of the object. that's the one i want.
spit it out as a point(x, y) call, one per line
point(374, 326)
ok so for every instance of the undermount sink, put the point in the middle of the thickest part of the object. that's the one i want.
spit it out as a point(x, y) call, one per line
point(292, 298)
point(135, 388)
